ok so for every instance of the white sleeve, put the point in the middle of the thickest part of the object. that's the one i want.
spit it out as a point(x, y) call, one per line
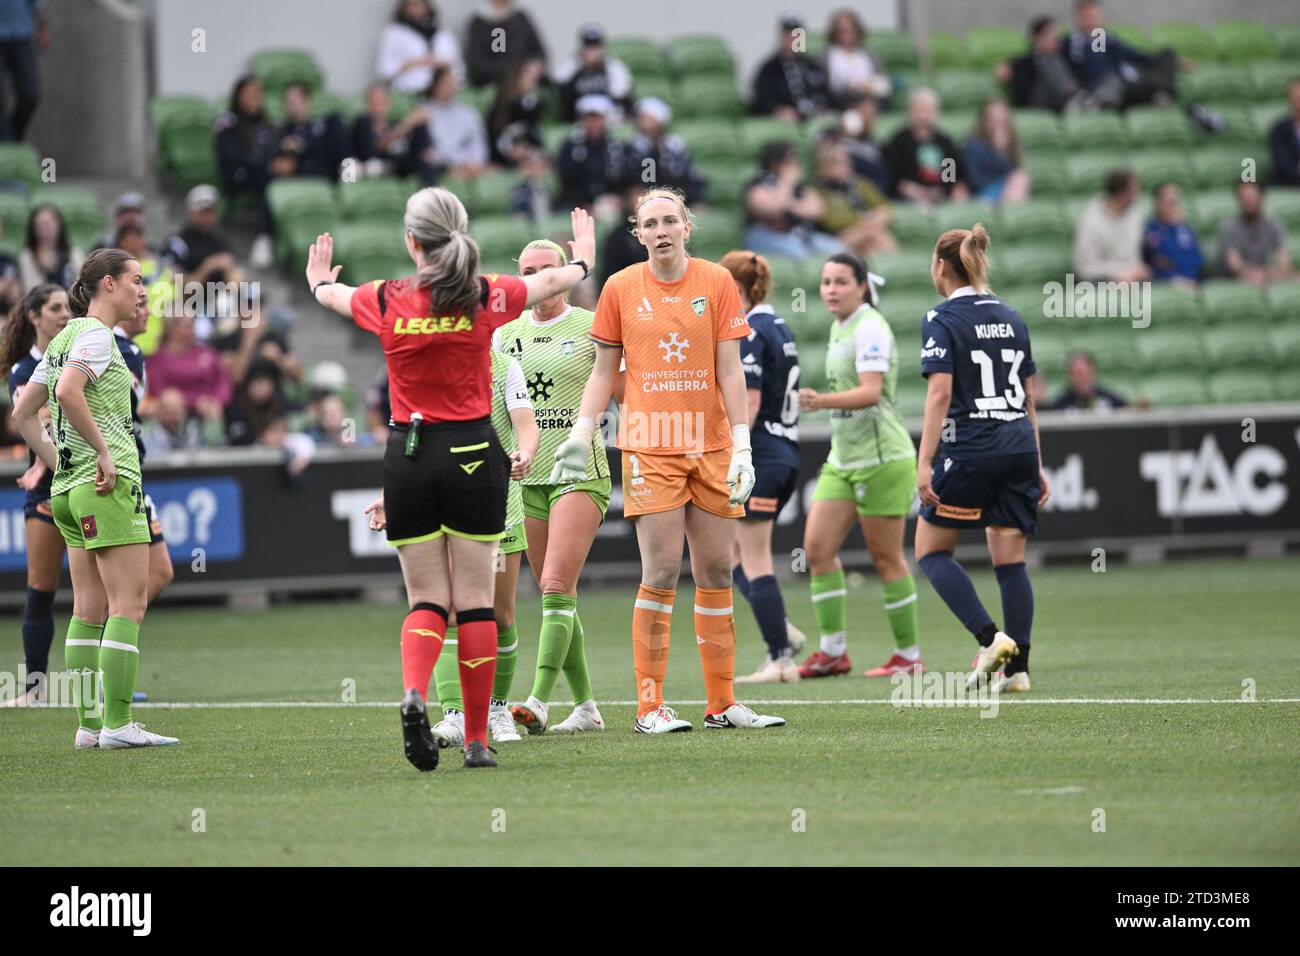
point(389, 55)
point(446, 47)
point(496, 339)
point(91, 352)
point(516, 388)
point(39, 373)
point(872, 347)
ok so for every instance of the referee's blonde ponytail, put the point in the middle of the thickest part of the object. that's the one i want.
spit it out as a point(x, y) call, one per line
point(966, 253)
point(449, 260)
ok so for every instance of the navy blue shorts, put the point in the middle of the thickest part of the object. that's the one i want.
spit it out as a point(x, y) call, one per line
point(37, 505)
point(155, 526)
point(776, 478)
point(993, 491)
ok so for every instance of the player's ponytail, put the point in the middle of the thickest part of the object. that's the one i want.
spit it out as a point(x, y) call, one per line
point(449, 255)
point(19, 332)
point(751, 272)
point(965, 251)
point(100, 263)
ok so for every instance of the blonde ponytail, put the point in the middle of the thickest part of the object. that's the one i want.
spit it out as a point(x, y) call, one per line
point(450, 257)
point(966, 253)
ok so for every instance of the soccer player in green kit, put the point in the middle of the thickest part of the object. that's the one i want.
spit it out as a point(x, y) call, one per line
point(868, 479)
point(96, 497)
point(557, 355)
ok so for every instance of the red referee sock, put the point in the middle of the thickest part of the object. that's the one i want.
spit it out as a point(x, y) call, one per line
point(478, 666)
point(423, 632)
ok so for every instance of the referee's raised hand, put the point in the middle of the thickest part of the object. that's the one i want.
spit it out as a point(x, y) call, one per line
point(583, 244)
point(319, 257)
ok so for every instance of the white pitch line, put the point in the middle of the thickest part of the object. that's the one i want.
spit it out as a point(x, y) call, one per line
point(972, 702)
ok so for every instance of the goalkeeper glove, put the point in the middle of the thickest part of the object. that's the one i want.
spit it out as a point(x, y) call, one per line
point(740, 476)
point(571, 455)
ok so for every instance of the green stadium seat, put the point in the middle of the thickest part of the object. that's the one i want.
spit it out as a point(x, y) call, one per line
point(1048, 175)
point(1175, 307)
point(963, 90)
point(1238, 346)
point(83, 213)
point(1228, 301)
point(279, 67)
point(708, 94)
point(717, 232)
point(1222, 166)
point(1158, 126)
point(1166, 389)
point(661, 86)
point(1087, 172)
point(292, 190)
point(989, 46)
point(1285, 342)
point(1240, 127)
point(1266, 116)
point(947, 52)
point(1029, 263)
point(365, 266)
point(963, 215)
point(755, 131)
point(1284, 297)
point(1286, 384)
point(1111, 342)
point(711, 140)
point(903, 271)
point(724, 185)
point(909, 394)
point(1270, 79)
point(14, 210)
point(641, 55)
point(1094, 132)
point(19, 162)
point(382, 200)
point(1038, 129)
point(1244, 41)
point(1209, 208)
point(1051, 348)
point(500, 238)
point(888, 125)
point(905, 311)
point(812, 366)
point(1288, 40)
point(1134, 36)
point(1029, 301)
point(701, 54)
point(492, 192)
point(1170, 349)
point(1037, 219)
point(1234, 386)
point(1284, 203)
point(1155, 166)
point(297, 226)
point(904, 82)
point(1191, 40)
point(1215, 83)
point(163, 109)
point(894, 48)
point(913, 225)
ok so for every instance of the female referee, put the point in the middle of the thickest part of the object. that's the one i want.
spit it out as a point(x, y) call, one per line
point(687, 468)
point(553, 345)
point(976, 357)
point(96, 498)
point(771, 363)
point(867, 478)
point(445, 473)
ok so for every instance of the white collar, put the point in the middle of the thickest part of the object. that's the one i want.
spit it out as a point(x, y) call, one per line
point(543, 323)
point(964, 290)
point(36, 353)
point(761, 309)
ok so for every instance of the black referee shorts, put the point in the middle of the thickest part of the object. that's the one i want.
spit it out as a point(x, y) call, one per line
point(454, 484)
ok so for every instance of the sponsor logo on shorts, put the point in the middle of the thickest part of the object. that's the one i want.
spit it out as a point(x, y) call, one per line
point(88, 527)
point(959, 514)
point(471, 466)
point(762, 504)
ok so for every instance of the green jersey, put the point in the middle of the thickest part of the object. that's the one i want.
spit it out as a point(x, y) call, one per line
point(557, 357)
point(86, 346)
point(508, 393)
point(862, 437)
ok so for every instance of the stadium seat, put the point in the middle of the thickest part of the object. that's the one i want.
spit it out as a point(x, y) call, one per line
point(1111, 342)
point(812, 365)
point(1087, 172)
point(641, 55)
point(20, 163)
point(1215, 83)
point(1155, 166)
point(500, 238)
point(380, 199)
point(716, 233)
point(755, 131)
point(701, 54)
point(960, 123)
point(1094, 132)
point(905, 310)
point(1285, 342)
point(1221, 166)
point(661, 86)
point(1284, 203)
point(1240, 127)
point(1209, 208)
point(492, 192)
point(278, 68)
point(904, 271)
point(1288, 40)
point(989, 46)
point(1167, 389)
point(1038, 130)
point(1175, 307)
point(1239, 346)
point(1270, 79)
point(1230, 302)
point(1035, 220)
point(1244, 41)
point(724, 185)
point(14, 209)
point(1029, 263)
point(1240, 387)
point(162, 109)
point(83, 213)
point(909, 393)
point(946, 52)
point(894, 48)
point(1029, 301)
point(1047, 173)
point(1284, 298)
point(1158, 126)
point(1134, 36)
point(1286, 384)
point(963, 215)
point(1163, 348)
point(963, 90)
point(1190, 40)
point(711, 140)
point(708, 94)
point(1050, 348)
point(913, 225)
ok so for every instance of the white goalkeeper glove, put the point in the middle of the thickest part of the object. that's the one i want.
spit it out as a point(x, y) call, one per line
point(740, 476)
point(571, 455)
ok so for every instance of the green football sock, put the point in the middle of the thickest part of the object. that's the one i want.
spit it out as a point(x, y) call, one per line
point(507, 657)
point(119, 662)
point(575, 664)
point(828, 593)
point(558, 611)
point(81, 659)
point(446, 675)
point(900, 608)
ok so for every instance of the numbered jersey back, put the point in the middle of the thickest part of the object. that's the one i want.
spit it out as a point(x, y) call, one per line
point(984, 344)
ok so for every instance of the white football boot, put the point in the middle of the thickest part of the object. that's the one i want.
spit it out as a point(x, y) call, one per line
point(796, 637)
point(584, 717)
point(738, 716)
point(662, 720)
point(450, 731)
point(86, 739)
point(500, 723)
point(132, 735)
point(1013, 684)
point(532, 714)
point(780, 670)
point(992, 658)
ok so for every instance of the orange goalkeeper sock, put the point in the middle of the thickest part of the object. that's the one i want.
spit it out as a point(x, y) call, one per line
point(715, 636)
point(651, 624)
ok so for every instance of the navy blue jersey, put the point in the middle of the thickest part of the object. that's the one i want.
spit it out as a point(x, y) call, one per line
point(771, 363)
point(19, 376)
point(134, 358)
point(983, 343)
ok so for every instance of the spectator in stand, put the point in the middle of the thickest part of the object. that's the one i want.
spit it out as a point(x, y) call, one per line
point(1284, 140)
point(1082, 393)
point(1108, 235)
point(781, 210)
point(47, 255)
point(992, 155)
point(11, 286)
point(1169, 246)
point(393, 149)
point(1043, 78)
point(673, 163)
point(925, 163)
point(23, 34)
point(790, 84)
point(1253, 243)
point(851, 70)
point(128, 210)
point(378, 407)
point(173, 428)
point(131, 238)
point(456, 128)
point(856, 132)
point(259, 403)
point(412, 46)
point(592, 73)
point(622, 248)
point(331, 427)
point(491, 54)
point(531, 198)
point(199, 250)
point(513, 123)
point(1113, 74)
point(245, 144)
point(854, 209)
point(308, 146)
point(194, 369)
point(592, 165)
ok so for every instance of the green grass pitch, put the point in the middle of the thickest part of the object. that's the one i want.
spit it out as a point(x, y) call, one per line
point(844, 783)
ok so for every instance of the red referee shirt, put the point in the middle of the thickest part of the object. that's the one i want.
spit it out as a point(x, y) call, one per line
point(438, 365)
